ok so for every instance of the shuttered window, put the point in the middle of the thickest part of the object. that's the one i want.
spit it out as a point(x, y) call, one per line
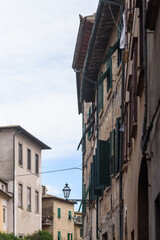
point(28, 159)
point(59, 235)
point(69, 215)
point(117, 146)
point(109, 74)
point(120, 26)
point(20, 154)
point(84, 138)
point(90, 131)
point(100, 95)
point(59, 213)
point(112, 153)
point(37, 163)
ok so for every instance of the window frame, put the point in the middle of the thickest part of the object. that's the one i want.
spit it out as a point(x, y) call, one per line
point(37, 201)
point(20, 195)
point(37, 164)
point(29, 159)
point(59, 213)
point(29, 198)
point(4, 214)
point(20, 154)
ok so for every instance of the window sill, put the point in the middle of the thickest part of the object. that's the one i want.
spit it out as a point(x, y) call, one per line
point(100, 114)
point(20, 207)
point(21, 166)
point(109, 93)
point(119, 69)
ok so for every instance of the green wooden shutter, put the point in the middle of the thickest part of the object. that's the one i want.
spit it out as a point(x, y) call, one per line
point(84, 138)
point(101, 164)
point(92, 191)
point(71, 236)
point(108, 178)
point(59, 235)
point(117, 146)
point(59, 213)
point(69, 215)
point(68, 236)
point(112, 153)
point(100, 95)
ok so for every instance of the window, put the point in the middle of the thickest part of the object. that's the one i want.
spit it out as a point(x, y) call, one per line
point(59, 213)
point(37, 201)
point(37, 163)
point(69, 215)
point(4, 215)
point(28, 159)
point(81, 232)
point(59, 235)
point(109, 74)
point(20, 157)
point(68, 236)
point(84, 138)
point(28, 198)
point(20, 195)
point(90, 121)
point(120, 26)
point(100, 96)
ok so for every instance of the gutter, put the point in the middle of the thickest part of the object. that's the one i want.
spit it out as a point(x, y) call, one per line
point(90, 47)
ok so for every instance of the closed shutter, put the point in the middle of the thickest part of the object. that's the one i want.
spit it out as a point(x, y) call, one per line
point(108, 178)
point(112, 153)
point(117, 151)
point(59, 213)
point(69, 215)
point(68, 236)
point(59, 235)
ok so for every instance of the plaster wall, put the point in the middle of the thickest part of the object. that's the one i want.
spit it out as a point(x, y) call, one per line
point(27, 221)
point(1, 215)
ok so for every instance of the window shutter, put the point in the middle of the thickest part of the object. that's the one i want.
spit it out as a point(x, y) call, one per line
point(117, 152)
point(108, 178)
point(101, 164)
point(69, 215)
point(59, 235)
point(59, 213)
point(71, 236)
point(68, 236)
point(92, 190)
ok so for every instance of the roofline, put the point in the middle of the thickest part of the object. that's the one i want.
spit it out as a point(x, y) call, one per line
point(27, 134)
point(4, 194)
point(58, 199)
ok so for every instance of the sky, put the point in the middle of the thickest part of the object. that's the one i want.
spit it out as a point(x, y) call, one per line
point(38, 84)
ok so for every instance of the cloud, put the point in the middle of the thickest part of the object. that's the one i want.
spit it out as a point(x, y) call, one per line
point(53, 190)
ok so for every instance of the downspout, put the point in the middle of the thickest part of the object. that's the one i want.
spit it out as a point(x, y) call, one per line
point(14, 217)
point(121, 157)
point(97, 148)
point(144, 133)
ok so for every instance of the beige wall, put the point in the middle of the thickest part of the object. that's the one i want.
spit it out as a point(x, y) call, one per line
point(27, 222)
point(62, 224)
point(1, 215)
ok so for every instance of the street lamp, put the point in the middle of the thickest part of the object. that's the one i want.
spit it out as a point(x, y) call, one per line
point(66, 191)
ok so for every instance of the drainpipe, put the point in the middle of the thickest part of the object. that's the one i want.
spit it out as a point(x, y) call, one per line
point(14, 216)
point(98, 151)
point(121, 157)
point(144, 134)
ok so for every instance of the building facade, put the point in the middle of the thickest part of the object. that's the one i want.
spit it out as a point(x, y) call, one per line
point(78, 227)
point(117, 72)
point(57, 216)
point(20, 156)
point(6, 209)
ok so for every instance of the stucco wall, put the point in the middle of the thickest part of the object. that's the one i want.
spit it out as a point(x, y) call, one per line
point(27, 221)
point(1, 215)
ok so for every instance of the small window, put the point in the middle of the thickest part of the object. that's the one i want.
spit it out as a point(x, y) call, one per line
point(37, 163)
point(20, 157)
point(120, 26)
point(68, 238)
point(59, 235)
point(29, 159)
point(4, 215)
point(28, 198)
point(69, 215)
point(59, 213)
point(81, 232)
point(100, 96)
point(20, 195)
point(37, 201)
point(109, 74)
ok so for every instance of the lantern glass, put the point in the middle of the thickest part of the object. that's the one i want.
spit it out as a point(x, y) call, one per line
point(66, 191)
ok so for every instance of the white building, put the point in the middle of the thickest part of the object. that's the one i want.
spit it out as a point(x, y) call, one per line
point(20, 161)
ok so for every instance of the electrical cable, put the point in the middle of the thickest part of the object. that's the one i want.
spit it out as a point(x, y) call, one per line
point(58, 170)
